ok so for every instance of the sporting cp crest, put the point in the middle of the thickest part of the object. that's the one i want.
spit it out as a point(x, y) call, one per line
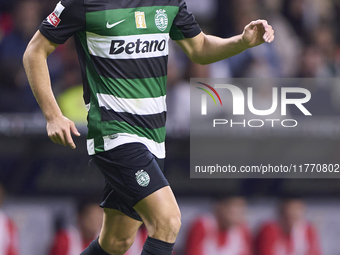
point(161, 20)
point(142, 178)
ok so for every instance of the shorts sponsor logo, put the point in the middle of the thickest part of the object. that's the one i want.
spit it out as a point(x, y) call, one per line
point(140, 20)
point(53, 18)
point(161, 20)
point(142, 178)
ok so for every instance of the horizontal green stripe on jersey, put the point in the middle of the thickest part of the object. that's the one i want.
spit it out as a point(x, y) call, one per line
point(96, 22)
point(133, 88)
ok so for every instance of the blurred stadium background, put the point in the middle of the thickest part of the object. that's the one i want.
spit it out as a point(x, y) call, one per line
point(43, 181)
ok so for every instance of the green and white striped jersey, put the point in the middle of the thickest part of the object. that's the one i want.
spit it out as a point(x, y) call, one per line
point(123, 51)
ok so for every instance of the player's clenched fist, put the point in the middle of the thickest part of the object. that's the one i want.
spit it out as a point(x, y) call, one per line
point(257, 32)
point(59, 131)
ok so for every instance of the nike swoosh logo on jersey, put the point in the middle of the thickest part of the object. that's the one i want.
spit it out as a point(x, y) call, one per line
point(108, 25)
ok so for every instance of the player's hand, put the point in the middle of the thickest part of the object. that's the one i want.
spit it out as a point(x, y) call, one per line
point(257, 32)
point(59, 131)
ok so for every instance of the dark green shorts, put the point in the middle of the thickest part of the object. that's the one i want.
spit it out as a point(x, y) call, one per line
point(131, 173)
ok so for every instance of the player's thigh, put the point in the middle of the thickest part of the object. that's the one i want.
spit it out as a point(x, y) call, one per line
point(160, 208)
point(117, 226)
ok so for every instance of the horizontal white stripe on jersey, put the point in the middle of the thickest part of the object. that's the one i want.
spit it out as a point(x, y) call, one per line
point(101, 46)
point(139, 106)
point(158, 149)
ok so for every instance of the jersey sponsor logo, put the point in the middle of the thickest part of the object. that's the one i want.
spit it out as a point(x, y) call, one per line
point(54, 17)
point(142, 178)
point(161, 20)
point(129, 46)
point(109, 26)
point(140, 20)
point(139, 46)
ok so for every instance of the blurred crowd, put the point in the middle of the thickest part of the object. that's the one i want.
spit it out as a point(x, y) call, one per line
point(307, 45)
point(223, 230)
point(19, 20)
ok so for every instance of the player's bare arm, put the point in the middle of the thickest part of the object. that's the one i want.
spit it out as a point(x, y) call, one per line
point(206, 49)
point(59, 128)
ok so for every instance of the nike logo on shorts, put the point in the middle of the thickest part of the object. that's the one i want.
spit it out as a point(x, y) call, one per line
point(108, 25)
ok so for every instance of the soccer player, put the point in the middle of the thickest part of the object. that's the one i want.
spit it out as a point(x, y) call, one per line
point(123, 50)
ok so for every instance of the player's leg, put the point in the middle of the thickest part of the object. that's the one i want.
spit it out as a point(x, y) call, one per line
point(134, 178)
point(117, 234)
point(162, 219)
point(118, 231)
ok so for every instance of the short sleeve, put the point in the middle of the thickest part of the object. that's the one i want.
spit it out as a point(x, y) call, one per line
point(67, 18)
point(184, 25)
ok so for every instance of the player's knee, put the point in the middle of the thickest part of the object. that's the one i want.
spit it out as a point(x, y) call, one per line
point(166, 228)
point(117, 246)
point(174, 224)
